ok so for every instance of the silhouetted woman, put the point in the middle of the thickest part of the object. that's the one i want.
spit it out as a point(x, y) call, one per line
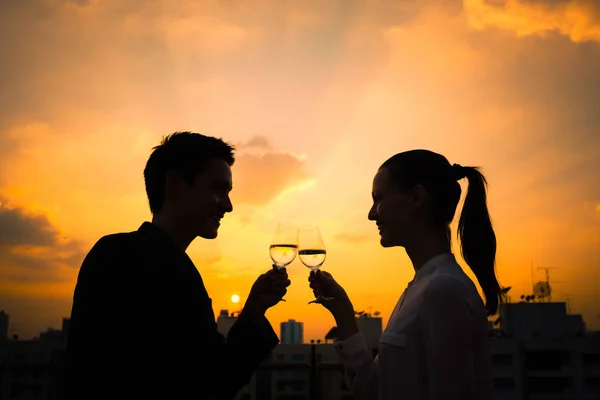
point(435, 345)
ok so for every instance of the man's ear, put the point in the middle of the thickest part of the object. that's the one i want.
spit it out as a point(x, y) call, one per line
point(173, 185)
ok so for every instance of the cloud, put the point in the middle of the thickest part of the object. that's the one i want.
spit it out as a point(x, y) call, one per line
point(18, 227)
point(578, 20)
point(91, 89)
point(259, 177)
point(32, 250)
point(255, 142)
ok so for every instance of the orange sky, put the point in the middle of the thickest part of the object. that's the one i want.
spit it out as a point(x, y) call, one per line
point(316, 95)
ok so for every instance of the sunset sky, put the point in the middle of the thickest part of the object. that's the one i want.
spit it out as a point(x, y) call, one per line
point(315, 95)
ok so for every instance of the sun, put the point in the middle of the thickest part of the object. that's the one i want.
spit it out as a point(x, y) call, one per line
point(235, 298)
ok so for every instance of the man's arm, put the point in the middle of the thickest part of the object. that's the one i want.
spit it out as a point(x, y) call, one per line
point(249, 341)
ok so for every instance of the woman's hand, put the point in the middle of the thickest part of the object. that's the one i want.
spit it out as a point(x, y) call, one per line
point(321, 282)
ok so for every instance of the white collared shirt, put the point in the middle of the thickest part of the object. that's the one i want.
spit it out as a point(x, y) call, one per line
point(435, 345)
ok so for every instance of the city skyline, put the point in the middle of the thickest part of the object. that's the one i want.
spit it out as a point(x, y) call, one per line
point(315, 96)
point(536, 350)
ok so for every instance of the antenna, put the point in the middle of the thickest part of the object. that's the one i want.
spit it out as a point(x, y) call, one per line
point(532, 274)
point(547, 269)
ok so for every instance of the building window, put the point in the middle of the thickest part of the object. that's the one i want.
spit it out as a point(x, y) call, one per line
point(504, 360)
point(592, 386)
point(291, 397)
point(548, 385)
point(547, 360)
point(591, 360)
point(298, 357)
point(294, 385)
point(38, 373)
point(503, 384)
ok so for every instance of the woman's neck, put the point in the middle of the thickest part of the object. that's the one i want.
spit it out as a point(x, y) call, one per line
point(425, 248)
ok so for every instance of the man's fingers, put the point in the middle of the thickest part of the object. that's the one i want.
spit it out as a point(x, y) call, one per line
point(281, 284)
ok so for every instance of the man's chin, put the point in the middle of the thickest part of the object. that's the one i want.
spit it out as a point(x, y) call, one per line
point(209, 234)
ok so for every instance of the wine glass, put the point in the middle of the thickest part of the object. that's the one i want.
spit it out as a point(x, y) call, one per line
point(284, 246)
point(313, 253)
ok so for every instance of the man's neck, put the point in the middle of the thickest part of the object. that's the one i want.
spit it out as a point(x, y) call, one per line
point(168, 225)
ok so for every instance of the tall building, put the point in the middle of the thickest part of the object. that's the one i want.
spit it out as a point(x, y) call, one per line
point(370, 327)
point(292, 332)
point(225, 321)
point(4, 320)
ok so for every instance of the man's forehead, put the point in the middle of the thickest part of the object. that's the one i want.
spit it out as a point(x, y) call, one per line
point(216, 170)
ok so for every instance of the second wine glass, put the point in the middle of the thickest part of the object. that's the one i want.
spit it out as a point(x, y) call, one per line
point(312, 253)
point(284, 247)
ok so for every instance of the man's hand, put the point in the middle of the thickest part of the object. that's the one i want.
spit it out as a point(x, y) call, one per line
point(268, 290)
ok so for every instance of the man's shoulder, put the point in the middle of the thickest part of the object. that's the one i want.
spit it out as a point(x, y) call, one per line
point(116, 242)
point(112, 251)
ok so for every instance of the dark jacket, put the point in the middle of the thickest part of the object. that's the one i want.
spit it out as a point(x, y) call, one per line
point(142, 326)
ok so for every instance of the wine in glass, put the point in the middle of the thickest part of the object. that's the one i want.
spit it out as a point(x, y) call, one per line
point(312, 253)
point(284, 246)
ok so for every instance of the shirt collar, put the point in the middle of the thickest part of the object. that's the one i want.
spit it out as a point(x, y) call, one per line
point(150, 230)
point(431, 265)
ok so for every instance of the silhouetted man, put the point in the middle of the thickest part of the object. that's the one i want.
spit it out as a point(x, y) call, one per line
point(142, 323)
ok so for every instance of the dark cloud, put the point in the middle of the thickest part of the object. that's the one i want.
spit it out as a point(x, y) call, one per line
point(21, 228)
point(81, 2)
point(31, 249)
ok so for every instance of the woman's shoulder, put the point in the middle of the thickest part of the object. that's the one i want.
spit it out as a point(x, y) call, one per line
point(452, 288)
point(450, 284)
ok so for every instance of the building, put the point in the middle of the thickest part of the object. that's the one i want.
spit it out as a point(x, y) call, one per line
point(31, 369)
point(225, 321)
point(371, 327)
point(307, 371)
point(4, 322)
point(291, 332)
point(539, 351)
point(299, 372)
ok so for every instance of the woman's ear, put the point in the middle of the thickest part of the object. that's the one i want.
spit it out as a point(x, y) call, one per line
point(418, 197)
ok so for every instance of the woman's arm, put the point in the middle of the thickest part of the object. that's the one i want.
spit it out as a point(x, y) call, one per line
point(447, 326)
point(360, 368)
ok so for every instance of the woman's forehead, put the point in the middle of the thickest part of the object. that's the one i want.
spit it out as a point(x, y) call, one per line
point(381, 179)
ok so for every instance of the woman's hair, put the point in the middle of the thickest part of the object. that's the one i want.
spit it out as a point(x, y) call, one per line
point(477, 237)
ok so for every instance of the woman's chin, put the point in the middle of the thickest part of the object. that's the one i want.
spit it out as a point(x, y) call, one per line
point(384, 241)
